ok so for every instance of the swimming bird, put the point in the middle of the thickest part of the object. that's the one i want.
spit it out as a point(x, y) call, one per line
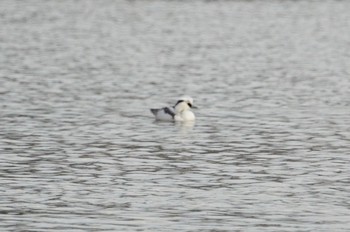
point(181, 111)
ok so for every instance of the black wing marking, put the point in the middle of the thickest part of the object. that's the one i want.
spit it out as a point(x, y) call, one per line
point(167, 110)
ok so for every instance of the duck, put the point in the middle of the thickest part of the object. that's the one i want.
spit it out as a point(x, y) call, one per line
point(181, 111)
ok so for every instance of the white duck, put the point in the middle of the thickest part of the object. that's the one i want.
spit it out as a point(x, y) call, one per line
point(181, 111)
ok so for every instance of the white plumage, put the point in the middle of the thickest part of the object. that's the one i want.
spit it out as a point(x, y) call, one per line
point(181, 111)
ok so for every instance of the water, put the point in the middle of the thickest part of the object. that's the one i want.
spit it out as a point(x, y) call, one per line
point(269, 150)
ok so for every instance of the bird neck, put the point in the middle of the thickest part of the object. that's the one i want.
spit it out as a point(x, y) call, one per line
point(181, 107)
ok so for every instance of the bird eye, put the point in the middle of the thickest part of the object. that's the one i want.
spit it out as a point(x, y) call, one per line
point(189, 104)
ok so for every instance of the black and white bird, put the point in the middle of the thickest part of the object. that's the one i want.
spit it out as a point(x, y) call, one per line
point(181, 111)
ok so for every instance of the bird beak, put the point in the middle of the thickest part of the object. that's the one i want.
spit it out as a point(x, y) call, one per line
point(194, 107)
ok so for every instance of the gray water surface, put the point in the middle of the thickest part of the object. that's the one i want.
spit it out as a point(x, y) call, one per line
point(80, 151)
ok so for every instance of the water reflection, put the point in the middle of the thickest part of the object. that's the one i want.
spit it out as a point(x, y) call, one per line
point(185, 127)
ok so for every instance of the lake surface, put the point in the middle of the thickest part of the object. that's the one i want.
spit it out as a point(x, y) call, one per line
point(80, 151)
